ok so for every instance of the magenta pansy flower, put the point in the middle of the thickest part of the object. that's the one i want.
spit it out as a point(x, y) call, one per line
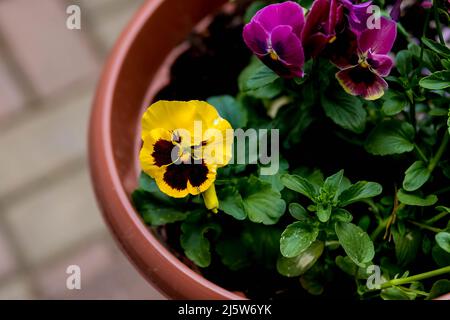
point(274, 36)
point(320, 26)
point(357, 15)
point(365, 77)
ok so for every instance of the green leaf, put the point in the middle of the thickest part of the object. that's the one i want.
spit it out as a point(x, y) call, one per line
point(416, 200)
point(332, 183)
point(230, 201)
point(194, 242)
point(153, 212)
point(297, 237)
point(263, 244)
point(275, 179)
point(404, 62)
point(439, 288)
point(300, 185)
point(233, 254)
point(436, 81)
point(393, 103)
point(416, 176)
point(356, 243)
point(298, 212)
point(323, 211)
point(440, 256)
point(349, 267)
point(259, 81)
point(446, 63)
point(230, 109)
point(262, 203)
point(437, 47)
point(345, 110)
point(343, 215)
point(261, 77)
point(443, 240)
point(296, 266)
point(448, 121)
point(395, 293)
point(438, 112)
point(391, 137)
point(407, 246)
point(359, 191)
point(428, 57)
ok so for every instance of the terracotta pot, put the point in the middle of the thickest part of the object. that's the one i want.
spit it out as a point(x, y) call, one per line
point(136, 69)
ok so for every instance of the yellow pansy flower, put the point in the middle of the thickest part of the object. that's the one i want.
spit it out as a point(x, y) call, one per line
point(183, 145)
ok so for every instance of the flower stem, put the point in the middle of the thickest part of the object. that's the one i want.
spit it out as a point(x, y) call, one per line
point(436, 217)
point(380, 228)
point(417, 277)
point(210, 199)
point(435, 160)
point(424, 34)
point(425, 226)
point(412, 114)
point(420, 153)
point(438, 22)
point(423, 293)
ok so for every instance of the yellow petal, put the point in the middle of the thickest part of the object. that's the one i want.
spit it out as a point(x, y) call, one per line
point(146, 158)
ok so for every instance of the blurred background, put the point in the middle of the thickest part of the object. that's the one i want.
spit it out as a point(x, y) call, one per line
point(48, 215)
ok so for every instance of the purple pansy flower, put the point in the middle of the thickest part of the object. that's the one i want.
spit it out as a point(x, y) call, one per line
point(365, 78)
point(320, 26)
point(357, 15)
point(274, 35)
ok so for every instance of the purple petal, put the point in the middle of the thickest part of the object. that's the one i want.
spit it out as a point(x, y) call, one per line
point(396, 10)
point(343, 51)
point(334, 17)
point(316, 43)
point(316, 16)
point(289, 48)
point(381, 63)
point(255, 37)
point(379, 41)
point(286, 13)
point(320, 25)
point(359, 81)
point(357, 15)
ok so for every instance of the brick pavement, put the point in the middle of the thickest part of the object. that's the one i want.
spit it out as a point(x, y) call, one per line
point(48, 215)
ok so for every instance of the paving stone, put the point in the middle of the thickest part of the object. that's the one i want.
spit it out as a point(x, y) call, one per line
point(51, 221)
point(44, 140)
point(51, 55)
point(105, 274)
point(99, 6)
point(7, 259)
point(108, 27)
point(11, 96)
point(17, 288)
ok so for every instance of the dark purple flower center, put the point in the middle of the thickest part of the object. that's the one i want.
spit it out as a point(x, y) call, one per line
point(178, 175)
point(162, 152)
point(360, 75)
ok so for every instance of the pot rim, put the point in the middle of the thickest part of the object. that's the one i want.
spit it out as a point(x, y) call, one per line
point(100, 152)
